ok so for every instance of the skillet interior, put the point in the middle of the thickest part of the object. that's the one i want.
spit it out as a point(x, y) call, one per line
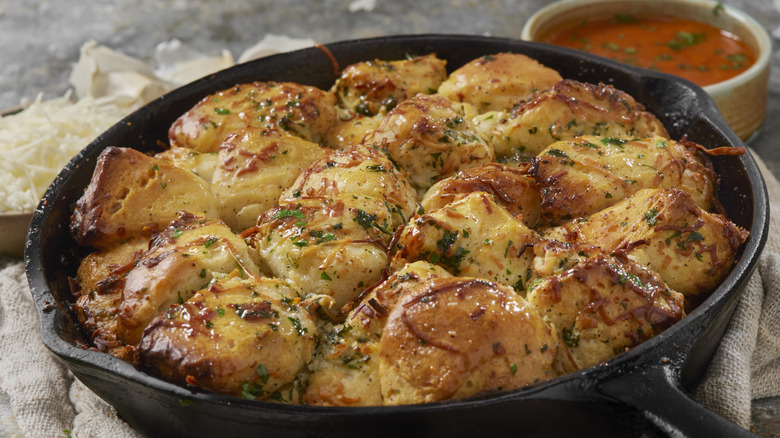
point(573, 403)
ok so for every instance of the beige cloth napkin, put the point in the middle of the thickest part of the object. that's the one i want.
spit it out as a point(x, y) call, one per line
point(745, 367)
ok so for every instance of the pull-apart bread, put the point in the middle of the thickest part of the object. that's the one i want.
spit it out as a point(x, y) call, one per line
point(407, 236)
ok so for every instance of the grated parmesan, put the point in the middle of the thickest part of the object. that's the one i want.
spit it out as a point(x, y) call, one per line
point(36, 143)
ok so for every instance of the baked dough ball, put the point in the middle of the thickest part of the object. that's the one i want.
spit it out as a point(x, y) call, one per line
point(182, 259)
point(373, 87)
point(663, 229)
point(98, 287)
point(357, 172)
point(430, 139)
point(255, 165)
point(511, 186)
point(304, 111)
point(345, 369)
point(458, 337)
point(473, 237)
point(570, 109)
point(331, 248)
point(322, 247)
point(132, 194)
point(602, 307)
point(581, 176)
point(498, 82)
point(244, 337)
point(331, 228)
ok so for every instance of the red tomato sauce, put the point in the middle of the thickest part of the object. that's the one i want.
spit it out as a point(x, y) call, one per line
point(693, 50)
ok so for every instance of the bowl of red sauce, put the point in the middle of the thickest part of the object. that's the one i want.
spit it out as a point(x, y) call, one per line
point(715, 46)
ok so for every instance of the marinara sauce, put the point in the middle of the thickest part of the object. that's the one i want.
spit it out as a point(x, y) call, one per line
point(696, 51)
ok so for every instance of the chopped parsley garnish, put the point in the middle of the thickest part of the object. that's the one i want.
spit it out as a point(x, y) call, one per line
point(613, 141)
point(365, 220)
point(695, 236)
point(283, 213)
point(651, 217)
point(557, 153)
point(685, 39)
point(297, 325)
point(251, 390)
point(263, 373)
point(448, 239)
point(570, 338)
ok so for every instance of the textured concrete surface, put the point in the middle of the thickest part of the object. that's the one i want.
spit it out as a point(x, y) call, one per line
point(41, 41)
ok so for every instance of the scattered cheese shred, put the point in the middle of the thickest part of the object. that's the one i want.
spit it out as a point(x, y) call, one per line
point(36, 143)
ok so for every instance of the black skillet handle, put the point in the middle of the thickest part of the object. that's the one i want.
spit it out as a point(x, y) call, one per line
point(656, 392)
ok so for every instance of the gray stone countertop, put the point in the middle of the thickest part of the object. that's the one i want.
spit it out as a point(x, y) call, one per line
point(41, 41)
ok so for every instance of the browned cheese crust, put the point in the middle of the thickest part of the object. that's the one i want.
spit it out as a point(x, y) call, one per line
point(472, 237)
point(581, 176)
point(457, 337)
point(372, 87)
point(303, 111)
point(246, 338)
point(511, 186)
point(406, 237)
point(345, 371)
point(98, 292)
point(254, 166)
point(568, 110)
point(132, 194)
point(603, 306)
point(498, 82)
point(180, 260)
point(330, 231)
point(664, 230)
point(429, 138)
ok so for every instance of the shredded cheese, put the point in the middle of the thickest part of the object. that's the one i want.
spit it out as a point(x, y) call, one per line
point(36, 143)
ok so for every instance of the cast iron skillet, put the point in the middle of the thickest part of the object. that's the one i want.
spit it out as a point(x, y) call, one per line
point(642, 392)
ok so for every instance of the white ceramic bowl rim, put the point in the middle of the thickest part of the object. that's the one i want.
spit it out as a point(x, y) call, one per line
point(763, 41)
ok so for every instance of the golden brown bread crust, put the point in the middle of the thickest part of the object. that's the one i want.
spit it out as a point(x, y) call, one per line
point(254, 166)
point(330, 231)
point(472, 237)
point(242, 337)
point(132, 194)
point(375, 299)
point(457, 337)
point(303, 111)
point(498, 82)
point(510, 185)
point(663, 229)
point(374, 87)
point(602, 306)
point(98, 290)
point(581, 176)
point(429, 138)
point(571, 109)
point(345, 370)
point(357, 171)
point(181, 259)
